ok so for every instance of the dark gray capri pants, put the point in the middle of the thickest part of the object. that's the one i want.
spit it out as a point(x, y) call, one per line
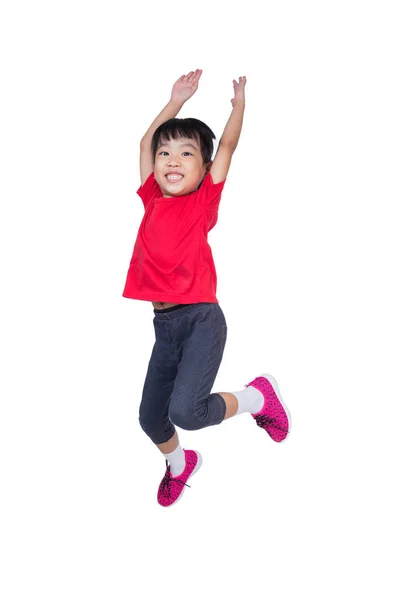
point(190, 342)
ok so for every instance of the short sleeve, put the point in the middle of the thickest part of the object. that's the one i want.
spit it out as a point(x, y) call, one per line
point(209, 192)
point(209, 195)
point(149, 190)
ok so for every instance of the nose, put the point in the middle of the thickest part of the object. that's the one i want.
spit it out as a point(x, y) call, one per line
point(173, 161)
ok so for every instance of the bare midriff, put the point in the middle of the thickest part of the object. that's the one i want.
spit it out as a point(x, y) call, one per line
point(161, 305)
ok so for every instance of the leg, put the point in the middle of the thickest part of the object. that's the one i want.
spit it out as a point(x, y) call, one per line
point(232, 404)
point(169, 446)
point(154, 407)
point(200, 337)
point(155, 421)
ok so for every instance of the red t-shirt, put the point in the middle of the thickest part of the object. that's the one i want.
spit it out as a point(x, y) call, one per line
point(172, 260)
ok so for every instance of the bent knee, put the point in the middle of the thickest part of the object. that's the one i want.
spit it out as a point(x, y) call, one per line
point(148, 426)
point(151, 425)
point(183, 417)
point(158, 432)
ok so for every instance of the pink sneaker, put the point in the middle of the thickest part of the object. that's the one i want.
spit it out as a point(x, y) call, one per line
point(171, 488)
point(274, 416)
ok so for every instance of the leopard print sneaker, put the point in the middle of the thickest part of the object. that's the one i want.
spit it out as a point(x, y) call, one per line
point(171, 488)
point(274, 416)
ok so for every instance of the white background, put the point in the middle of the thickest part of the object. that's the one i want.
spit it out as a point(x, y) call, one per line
point(306, 250)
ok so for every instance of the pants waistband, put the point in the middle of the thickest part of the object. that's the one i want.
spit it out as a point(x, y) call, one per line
point(178, 310)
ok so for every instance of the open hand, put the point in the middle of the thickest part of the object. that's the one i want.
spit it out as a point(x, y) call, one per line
point(238, 88)
point(186, 86)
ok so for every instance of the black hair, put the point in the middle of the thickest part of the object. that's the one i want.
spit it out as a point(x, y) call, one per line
point(189, 128)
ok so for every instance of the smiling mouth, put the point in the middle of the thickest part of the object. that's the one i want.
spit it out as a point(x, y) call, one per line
point(174, 178)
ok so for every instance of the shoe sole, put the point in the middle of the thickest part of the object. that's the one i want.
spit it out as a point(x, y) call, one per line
point(277, 392)
point(197, 467)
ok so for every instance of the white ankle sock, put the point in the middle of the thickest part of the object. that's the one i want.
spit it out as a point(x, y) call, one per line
point(250, 400)
point(177, 461)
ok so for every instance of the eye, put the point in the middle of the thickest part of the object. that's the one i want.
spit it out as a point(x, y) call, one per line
point(163, 152)
point(187, 153)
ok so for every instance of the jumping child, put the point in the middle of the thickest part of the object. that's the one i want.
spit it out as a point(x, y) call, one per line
point(172, 266)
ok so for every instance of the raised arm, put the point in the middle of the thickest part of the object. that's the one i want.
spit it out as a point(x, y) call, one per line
point(230, 137)
point(182, 90)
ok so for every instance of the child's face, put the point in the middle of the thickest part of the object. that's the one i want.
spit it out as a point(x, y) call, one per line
point(181, 156)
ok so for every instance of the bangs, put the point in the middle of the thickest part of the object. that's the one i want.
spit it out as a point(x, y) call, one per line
point(174, 131)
